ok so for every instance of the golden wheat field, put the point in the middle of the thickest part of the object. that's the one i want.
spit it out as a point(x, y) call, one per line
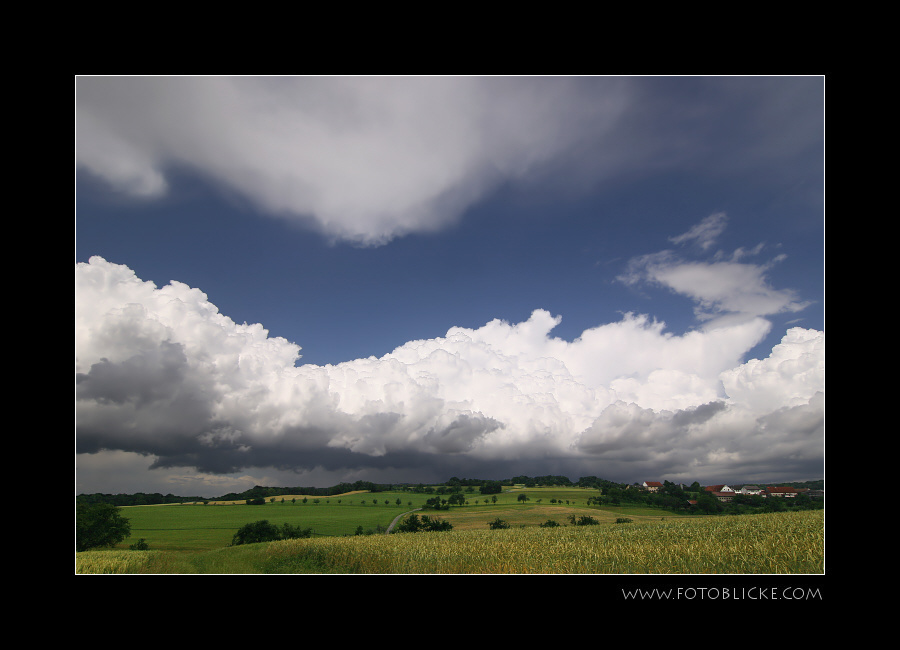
point(777, 543)
point(789, 543)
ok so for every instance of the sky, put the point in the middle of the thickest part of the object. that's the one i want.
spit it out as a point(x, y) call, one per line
point(303, 281)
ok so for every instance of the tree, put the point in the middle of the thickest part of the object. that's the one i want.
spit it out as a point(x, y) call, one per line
point(498, 524)
point(523, 498)
point(437, 503)
point(99, 525)
point(491, 487)
point(413, 524)
point(263, 531)
point(258, 531)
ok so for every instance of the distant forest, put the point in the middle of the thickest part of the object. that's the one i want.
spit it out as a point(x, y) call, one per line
point(452, 485)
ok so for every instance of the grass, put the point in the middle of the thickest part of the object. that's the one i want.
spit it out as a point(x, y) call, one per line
point(774, 543)
point(198, 527)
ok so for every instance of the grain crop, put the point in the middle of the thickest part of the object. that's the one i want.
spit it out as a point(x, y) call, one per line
point(775, 543)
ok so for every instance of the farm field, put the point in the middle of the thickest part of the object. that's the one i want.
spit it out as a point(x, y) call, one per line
point(199, 527)
point(195, 538)
point(788, 543)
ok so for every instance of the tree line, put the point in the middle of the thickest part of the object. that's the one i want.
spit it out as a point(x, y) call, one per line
point(613, 490)
point(254, 493)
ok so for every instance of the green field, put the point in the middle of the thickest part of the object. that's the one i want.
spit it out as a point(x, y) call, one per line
point(786, 543)
point(196, 538)
point(190, 527)
point(198, 527)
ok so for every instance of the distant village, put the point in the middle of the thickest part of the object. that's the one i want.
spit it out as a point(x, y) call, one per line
point(725, 494)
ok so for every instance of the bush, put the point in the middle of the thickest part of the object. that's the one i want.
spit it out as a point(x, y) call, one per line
point(550, 523)
point(263, 531)
point(583, 520)
point(413, 524)
point(294, 532)
point(623, 520)
point(98, 525)
point(498, 524)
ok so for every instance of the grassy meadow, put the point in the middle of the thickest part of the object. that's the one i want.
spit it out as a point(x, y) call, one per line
point(195, 538)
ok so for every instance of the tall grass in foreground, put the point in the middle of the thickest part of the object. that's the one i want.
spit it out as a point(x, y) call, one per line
point(774, 543)
point(779, 543)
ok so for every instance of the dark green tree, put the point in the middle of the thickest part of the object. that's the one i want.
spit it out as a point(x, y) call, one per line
point(708, 503)
point(437, 503)
point(258, 531)
point(413, 524)
point(263, 531)
point(491, 487)
point(99, 525)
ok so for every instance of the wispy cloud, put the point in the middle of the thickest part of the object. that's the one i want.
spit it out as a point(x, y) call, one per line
point(704, 233)
point(723, 288)
point(363, 159)
point(369, 159)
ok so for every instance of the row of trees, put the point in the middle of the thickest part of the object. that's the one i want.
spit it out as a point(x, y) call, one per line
point(136, 499)
point(452, 486)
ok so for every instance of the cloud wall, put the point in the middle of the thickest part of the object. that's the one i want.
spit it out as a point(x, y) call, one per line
point(161, 373)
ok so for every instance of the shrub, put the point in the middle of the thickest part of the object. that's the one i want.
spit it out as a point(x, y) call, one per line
point(413, 524)
point(294, 532)
point(498, 524)
point(263, 531)
point(623, 520)
point(583, 520)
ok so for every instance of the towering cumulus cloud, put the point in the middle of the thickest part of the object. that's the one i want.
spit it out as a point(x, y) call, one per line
point(161, 373)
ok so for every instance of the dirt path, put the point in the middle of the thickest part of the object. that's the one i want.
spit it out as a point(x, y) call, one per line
point(397, 518)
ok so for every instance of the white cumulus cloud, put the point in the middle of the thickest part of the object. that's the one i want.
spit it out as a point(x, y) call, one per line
point(160, 372)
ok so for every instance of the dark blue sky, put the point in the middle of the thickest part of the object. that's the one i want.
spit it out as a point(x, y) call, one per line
point(514, 252)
